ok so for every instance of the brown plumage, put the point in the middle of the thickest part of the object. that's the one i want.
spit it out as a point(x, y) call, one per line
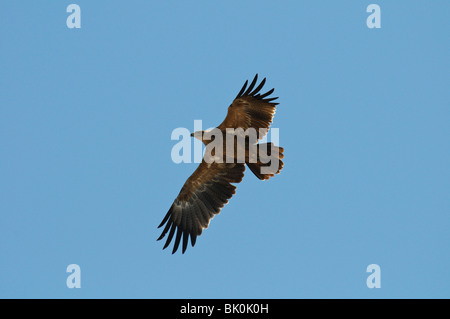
point(210, 187)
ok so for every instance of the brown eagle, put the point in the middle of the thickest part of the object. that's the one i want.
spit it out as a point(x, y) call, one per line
point(210, 187)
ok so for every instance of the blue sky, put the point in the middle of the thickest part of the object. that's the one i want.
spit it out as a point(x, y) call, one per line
point(86, 117)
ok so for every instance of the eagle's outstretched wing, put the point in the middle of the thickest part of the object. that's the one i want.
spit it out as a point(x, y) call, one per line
point(250, 109)
point(203, 195)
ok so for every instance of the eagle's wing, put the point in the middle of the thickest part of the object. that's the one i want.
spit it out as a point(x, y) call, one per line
point(250, 109)
point(203, 195)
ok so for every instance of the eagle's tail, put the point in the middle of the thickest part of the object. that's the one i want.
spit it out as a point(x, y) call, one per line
point(268, 161)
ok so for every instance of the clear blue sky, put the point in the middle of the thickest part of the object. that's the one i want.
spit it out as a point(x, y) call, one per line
point(86, 175)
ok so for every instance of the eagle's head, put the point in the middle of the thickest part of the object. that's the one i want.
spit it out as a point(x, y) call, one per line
point(207, 136)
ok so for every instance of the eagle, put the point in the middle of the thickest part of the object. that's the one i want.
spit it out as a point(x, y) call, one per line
point(209, 188)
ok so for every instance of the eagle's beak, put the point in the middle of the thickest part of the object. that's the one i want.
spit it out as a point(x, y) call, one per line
point(192, 134)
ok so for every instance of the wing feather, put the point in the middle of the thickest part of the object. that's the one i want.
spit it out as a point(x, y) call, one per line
point(251, 86)
point(203, 195)
point(177, 240)
point(242, 90)
point(250, 109)
point(169, 238)
point(259, 87)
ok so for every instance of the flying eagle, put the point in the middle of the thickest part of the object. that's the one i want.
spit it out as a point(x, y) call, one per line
point(210, 187)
